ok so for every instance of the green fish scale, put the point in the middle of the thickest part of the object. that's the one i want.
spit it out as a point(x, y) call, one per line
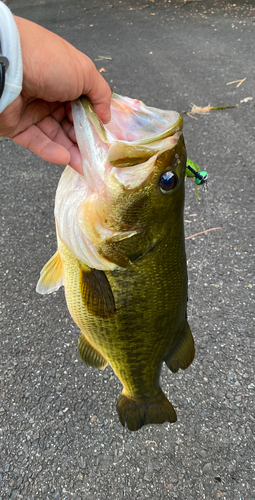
point(150, 298)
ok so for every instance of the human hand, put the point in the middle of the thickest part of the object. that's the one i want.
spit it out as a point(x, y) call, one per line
point(54, 73)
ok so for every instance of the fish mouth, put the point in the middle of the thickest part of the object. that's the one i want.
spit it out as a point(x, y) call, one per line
point(140, 131)
point(131, 118)
point(132, 121)
point(135, 133)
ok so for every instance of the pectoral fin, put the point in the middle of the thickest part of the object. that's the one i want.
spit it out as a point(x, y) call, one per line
point(52, 276)
point(96, 293)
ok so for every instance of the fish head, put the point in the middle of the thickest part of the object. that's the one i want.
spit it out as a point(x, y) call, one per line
point(145, 183)
point(131, 193)
point(148, 190)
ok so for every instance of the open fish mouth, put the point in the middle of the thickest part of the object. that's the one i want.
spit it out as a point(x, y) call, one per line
point(135, 132)
point(133, 121)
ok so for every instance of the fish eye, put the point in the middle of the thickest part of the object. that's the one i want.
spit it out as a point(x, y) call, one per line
point(167, 182)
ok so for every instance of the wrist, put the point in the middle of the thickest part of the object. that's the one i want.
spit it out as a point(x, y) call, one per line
point(10, 48)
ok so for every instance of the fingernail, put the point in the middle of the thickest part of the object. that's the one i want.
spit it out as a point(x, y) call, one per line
point(107, 119)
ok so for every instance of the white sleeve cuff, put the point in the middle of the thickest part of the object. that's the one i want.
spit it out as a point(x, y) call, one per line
point(10, 48)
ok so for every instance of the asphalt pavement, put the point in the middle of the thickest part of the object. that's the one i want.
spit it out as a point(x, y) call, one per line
point(60, 433)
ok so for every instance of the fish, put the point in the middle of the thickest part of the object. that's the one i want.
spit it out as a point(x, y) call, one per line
point(121, 251)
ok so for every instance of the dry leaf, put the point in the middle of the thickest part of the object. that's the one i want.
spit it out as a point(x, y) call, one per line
point(246, 99)
point(148, 442)
point(103, 57)
point(197, 110)
point(239, 82)
point(191, 116)
point(202, 232)
point(169, 486)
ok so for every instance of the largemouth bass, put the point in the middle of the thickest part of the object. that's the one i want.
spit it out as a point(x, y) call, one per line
point(121, 251)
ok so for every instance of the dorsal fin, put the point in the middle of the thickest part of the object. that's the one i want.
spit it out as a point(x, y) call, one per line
point(52, 276)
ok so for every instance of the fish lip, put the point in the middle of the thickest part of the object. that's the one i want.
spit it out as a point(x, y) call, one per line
point(139, 153)
point(177, 127)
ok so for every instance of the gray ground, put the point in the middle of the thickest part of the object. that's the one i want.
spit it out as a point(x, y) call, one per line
point(60, 433)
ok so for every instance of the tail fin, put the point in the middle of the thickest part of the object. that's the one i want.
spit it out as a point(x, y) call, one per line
point(136, 413)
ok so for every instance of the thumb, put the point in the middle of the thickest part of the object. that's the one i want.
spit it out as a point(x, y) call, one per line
point(99, 93)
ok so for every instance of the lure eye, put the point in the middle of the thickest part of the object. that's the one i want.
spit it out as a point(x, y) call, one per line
point(167, 182)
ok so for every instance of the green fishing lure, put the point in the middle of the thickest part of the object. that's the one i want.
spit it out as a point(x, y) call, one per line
point(200, 177)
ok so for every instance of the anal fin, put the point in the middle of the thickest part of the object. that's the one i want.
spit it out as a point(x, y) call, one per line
point(52, 275)
point(184, 353)
point(89, 354)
